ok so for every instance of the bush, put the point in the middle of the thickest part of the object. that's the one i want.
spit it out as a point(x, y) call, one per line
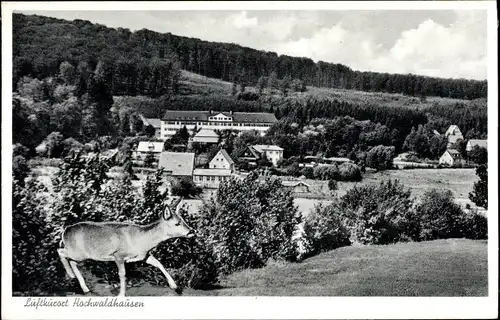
point(478, 155)
point(185, 188)
point(34, 255)
point(380, 157)
point(326, 172)
point(479, 194)
point(20, 169)
point(293, 170)
point(324, 229)
point(307, 172)
point(332, 185)
point(249, 223)
point(442, 218)
point(349, 172)
point(20, 150)
point(379, 214)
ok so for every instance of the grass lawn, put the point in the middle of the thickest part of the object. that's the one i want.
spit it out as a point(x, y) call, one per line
point(453, 267)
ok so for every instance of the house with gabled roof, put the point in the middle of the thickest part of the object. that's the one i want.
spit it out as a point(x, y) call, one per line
point(452, 157)
point(222, 160)
point(154, 122)
point(474, 142)
point(453, 134)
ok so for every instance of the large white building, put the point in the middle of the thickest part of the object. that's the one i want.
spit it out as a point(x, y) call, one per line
point(237, 121)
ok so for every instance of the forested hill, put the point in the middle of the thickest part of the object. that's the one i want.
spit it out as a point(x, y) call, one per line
point(41, 44)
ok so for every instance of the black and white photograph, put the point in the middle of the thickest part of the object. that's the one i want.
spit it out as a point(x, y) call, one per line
point(180, 152)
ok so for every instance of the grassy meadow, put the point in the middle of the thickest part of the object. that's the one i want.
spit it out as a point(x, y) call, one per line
point(452, 267)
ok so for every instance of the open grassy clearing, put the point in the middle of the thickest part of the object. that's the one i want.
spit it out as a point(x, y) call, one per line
point(192, 83)
point(453, 267)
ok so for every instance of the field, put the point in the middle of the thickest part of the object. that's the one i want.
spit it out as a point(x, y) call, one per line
point(453, 267)
point(192, 83)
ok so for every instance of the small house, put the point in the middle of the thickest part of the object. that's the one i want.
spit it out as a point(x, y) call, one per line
point(177, 164)
point(480, 143)
point(146, 147)
point(297, 186)
point(210, 178)
point(155, 123)
point(222, 160)
point(451, 157)
point(206, 136)
point(272, 153)
point(453, 134)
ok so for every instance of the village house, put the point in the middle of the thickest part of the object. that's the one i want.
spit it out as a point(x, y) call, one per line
point(210, 178)
point(155, 123)
point(272, 153)
point(222, 160)
point(453, 134)
point(480, 143)
point(297, 186)
point(221, 168)
point(337, 160)
point(177, 164)
point(146, 147)
point(173, 120)
point(451, 157)
point(254, 153)
point(206, 136)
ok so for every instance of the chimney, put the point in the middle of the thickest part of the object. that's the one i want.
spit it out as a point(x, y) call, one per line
point(231, 112)
point(210, 111)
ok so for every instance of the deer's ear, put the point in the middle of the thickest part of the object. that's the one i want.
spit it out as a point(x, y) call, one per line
point(167, 213)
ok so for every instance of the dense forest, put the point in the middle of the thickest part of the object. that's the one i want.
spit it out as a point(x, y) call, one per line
point(41, 44)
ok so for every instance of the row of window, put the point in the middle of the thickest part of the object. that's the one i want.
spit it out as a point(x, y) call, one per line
point(210, 178)
point(222, 124)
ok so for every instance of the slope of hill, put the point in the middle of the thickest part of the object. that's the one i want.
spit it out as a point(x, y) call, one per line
point(41, 44)
point(453, 267)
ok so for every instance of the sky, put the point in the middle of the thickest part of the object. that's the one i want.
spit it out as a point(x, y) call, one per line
point(439, 43)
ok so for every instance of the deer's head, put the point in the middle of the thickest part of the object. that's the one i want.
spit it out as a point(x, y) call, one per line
point(173, 223)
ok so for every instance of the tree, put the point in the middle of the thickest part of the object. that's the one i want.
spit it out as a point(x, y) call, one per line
point(380, 157)
point(479, 195)
point(149, 130)
point(261, 84)
point(461, 146)
point(417, 141)
point(285, 85)
point(437, 146)
point(128, 169)
point(67, 72)
point(272, 81)
point(185, 188)
point(332, 185)
point(478, 155)
point(181, 136)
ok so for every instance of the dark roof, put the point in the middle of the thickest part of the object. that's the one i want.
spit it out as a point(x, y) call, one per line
point(255, 117)
point(454, 153)
point(480, 143)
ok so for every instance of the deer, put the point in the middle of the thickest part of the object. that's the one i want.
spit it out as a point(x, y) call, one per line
point(120, 242)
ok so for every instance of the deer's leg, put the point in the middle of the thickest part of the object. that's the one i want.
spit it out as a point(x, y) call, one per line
point(64, 259)
point(171, 283)
point(121, 272)
point(79, 276)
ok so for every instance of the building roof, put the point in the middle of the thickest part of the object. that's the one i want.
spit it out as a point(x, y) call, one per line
point(338, 159)
point(479, 143)
point(264, 147)
point(294, 183)
point(255, 153)
point(248, 117)
point(453, 130)
point(212, 172)
point(454, 153)
point(150, 146)
point(155, 122)
point(206, 133)
point(179, 163)
point(226, 155)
